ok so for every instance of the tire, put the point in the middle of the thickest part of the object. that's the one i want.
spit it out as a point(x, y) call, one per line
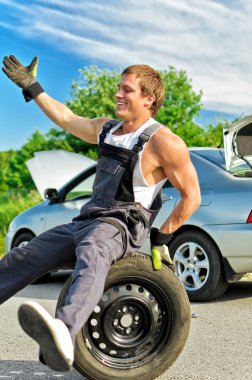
point(198, 266)
point(20, 241)
point(139, 327)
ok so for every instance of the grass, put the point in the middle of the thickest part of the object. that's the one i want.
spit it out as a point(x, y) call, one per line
point(12, 203)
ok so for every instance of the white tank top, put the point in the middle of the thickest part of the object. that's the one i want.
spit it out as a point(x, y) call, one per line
point(143, 192)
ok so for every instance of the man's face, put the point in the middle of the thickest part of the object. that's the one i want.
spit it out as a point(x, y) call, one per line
point(130, 103)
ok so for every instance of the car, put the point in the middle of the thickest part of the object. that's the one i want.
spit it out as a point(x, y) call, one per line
point(211, 249)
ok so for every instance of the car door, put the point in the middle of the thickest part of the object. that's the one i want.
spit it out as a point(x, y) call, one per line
point(75, 198)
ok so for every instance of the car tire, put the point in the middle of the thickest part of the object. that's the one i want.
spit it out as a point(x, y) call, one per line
point(198, 265)
point(20, 241)
point(139, 327)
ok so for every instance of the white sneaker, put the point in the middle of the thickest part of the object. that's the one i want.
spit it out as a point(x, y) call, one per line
point(50, 333)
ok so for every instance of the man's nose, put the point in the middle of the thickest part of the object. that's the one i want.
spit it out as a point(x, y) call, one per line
point(119, 93)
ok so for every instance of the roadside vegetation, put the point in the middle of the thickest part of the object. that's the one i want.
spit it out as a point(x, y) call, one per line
point(12, 203)
point(92, 95)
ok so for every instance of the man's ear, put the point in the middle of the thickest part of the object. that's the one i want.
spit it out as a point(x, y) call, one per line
point(149, 100)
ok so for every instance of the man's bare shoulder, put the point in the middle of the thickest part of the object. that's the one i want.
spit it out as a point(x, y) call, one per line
point(165, 141)
point(99, 122)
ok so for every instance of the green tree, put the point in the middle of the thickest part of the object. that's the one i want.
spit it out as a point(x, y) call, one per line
point(93, 94)
point(16, 172)
point(181, 104)
point(5, 157)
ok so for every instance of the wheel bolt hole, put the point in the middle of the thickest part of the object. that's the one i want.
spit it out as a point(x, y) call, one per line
point(105, 298)
point(129, 288)
point(102, 346)
point(159, 320)
point(97, 309)
point(93, 322)
point(141, 289)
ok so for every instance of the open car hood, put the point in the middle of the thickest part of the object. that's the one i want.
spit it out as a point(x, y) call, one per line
point(238, 143)
point(54, 168)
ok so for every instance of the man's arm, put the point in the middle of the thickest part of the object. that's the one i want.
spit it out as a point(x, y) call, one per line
point(175, 161)
point(25, 77)
point(83, 128)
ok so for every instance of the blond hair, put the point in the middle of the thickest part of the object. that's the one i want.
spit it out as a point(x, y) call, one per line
point(151, 83)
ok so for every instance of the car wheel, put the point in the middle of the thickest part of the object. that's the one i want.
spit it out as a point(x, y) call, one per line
point(198, 266)
point(139, 327)
point(20, 241)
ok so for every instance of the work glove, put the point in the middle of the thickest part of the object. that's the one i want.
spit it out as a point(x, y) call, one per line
point(23, 76)
point(159, 249)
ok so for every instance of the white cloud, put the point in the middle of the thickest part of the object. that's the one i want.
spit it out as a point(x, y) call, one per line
point(210, 39)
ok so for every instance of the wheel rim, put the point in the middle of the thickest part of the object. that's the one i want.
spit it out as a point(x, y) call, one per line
point(23, 243)
point(130, 325)
point(192, 265)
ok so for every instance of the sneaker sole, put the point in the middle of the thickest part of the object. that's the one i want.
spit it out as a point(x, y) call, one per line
point(37, 327)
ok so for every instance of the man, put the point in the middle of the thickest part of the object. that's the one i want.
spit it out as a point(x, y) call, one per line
point(136, 156)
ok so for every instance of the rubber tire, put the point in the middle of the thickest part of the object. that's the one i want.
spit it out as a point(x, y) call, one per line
point(138, 269)
point(27, 237)
point(23, 237)
point(216, 284)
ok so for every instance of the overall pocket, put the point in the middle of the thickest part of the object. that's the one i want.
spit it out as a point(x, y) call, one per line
point(108, 176)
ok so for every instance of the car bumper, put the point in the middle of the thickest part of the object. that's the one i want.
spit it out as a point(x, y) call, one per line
point(234, 242)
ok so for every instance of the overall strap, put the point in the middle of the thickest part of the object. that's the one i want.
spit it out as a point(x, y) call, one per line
point(144, 137)
point(125, 191)
point(107, 126)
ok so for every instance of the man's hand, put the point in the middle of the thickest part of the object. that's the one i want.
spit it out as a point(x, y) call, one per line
point(22, 76)
point(159, 249)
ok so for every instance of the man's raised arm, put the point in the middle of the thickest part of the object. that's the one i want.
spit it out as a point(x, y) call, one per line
point(25, 77)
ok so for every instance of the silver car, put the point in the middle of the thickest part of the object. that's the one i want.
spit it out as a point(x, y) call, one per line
point(212, 249)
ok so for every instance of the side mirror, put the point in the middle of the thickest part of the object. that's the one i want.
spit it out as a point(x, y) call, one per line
point(51, 194)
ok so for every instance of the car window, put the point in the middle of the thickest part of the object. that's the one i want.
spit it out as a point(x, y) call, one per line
point(242, 170)
point(82, 190)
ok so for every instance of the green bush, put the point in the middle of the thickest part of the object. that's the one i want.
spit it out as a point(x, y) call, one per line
point(12, 203)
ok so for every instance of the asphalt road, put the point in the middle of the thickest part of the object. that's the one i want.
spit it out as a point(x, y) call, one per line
point(219, 344)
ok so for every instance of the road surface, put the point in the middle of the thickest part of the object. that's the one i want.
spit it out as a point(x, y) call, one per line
point(219, 344)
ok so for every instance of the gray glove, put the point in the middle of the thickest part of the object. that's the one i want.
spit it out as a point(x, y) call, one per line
point(23, 76)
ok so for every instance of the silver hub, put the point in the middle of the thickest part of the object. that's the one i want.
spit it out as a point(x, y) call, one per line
point(192, 265)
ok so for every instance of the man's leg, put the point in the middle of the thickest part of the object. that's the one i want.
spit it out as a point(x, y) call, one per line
point(21, 266)
point(99, 244)
point(51, 250)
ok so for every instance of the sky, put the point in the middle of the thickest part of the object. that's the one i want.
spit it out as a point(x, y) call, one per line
point(210, 40)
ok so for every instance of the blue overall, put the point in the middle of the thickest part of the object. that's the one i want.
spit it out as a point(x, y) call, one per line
point(110, 226)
